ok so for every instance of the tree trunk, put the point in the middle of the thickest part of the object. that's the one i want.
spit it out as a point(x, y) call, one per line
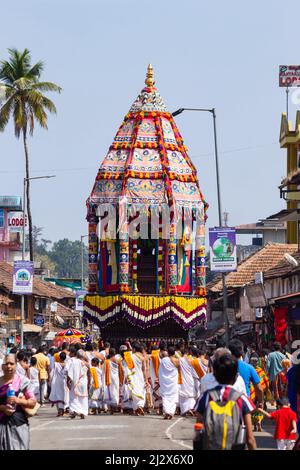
point(28, 195)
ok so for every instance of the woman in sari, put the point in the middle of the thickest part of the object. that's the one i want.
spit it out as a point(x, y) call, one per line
point(14, 426)
point(257, 417)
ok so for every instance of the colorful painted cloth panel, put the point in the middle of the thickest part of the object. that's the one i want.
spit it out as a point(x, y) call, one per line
point(146, 131)
point(169, 136)
point(114, 161)
point(145, 160)
point(145, 190)
point(124, 133)
point(178, 164)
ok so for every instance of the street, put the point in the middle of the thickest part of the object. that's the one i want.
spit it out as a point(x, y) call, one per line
point(119, 432)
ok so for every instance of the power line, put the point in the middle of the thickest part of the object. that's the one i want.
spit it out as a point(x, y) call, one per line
point(93, 168)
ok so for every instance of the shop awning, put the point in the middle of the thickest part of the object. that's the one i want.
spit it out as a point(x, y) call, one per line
point(293, 298)
point(31, 328)
point(49, 336)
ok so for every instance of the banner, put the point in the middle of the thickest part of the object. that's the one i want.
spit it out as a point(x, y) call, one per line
point(80, 294)
point(222, 249)
point(289, 75)
point(23, 277)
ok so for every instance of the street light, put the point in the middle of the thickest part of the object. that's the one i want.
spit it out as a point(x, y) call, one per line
point(23, 249)
point(82, 276)
point(212, 111)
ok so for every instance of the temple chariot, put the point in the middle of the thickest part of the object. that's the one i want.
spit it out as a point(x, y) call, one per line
point(146, 216)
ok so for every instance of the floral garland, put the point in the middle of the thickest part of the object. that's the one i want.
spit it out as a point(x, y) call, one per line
point(145, 311)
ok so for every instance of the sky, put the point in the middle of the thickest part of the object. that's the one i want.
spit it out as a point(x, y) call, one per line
point(217, 54)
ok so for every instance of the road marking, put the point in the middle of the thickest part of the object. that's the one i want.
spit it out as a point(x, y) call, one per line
point(169, 435)
point(86, 438)
point(78, 426)
point(41, 426)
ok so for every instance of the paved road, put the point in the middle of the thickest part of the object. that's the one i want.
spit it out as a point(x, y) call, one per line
point(119, 432)
point(109, 432)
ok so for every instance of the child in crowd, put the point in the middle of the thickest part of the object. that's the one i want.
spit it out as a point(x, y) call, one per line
point(285, 424)
point(95, 390)
point(34, 378)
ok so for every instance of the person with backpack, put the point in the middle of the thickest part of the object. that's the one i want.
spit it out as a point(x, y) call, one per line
point(225, 412)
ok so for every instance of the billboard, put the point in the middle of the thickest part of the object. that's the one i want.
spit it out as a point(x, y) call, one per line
point(80, 294)
point(23, 277)
point(222, 249)
point(289, 75)
point(15, 221)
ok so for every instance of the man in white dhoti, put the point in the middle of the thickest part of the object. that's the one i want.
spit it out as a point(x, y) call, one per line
point(78, 385)
point(111, 382)
point(187, 389)
point(59, 394)
point(154, 381)
point(169, 377)
point(126, 366)
point(138, 380)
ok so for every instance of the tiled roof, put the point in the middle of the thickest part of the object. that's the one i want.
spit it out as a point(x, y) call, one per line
point(40, 288)
point(64, 311)
point(5, 300)
point(283, 268)
point(263, 260)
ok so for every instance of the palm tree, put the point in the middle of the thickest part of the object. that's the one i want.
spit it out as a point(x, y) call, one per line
point(22, 98)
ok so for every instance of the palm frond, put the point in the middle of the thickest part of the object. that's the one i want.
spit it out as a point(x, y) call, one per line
point(40, 115)
point(6, 91)
point(7, 73)
point(34, 97)
point(36, 70)
point(48, 104)
point(46, 86)
point(5, 112)
point(20, 117)
point(22, 83)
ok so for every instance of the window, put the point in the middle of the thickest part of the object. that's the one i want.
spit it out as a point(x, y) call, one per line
point(1, 218)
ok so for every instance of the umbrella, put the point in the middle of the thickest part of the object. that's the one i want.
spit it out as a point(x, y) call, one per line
point(70, 335)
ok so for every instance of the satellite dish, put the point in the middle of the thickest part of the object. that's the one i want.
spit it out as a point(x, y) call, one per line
point(291, 260)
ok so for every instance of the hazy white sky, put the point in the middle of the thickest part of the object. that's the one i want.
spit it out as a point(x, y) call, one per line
point(222, 54)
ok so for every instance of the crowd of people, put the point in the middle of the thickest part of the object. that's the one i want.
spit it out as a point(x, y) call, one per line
point(83, 380)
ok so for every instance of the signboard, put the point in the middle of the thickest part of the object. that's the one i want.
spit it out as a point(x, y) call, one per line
point(80, 294)
point(231, 316)
point(53, 307)
point(247, 312)
point(259, 278)
point(23, 277)
point(222, 249)
point(15, 221)
point(13, 202)
point(39, 320)
point(289, 75)
point(256, 295)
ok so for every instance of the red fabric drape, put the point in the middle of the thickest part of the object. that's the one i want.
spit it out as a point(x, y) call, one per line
point(280, 324)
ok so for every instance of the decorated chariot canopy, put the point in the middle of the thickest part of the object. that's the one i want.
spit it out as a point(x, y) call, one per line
point(146, 215)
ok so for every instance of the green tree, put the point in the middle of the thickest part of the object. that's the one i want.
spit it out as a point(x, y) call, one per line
point(66, 254)
point(22, 98)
